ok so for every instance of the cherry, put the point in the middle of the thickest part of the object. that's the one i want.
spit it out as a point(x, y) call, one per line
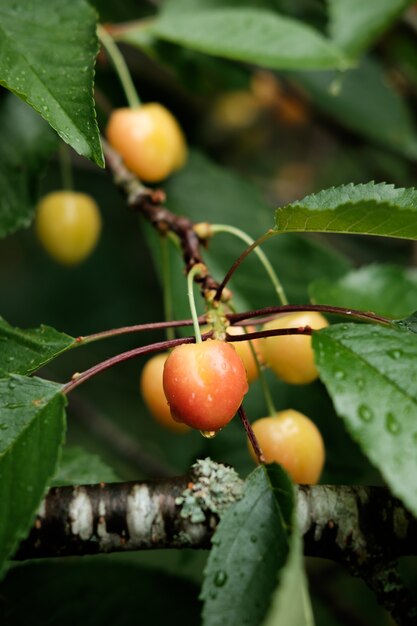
point(68, 225)
point(294, 441)
point(291, 357)
point(153, 393)
point(149, 139)
point(204, 384)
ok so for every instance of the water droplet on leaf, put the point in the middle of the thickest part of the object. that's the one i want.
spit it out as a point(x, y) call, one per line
point(394, 354)
point(392, 424)
point(365, 413)
point(220, 578)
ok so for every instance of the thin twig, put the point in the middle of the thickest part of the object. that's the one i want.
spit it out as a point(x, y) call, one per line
point(251, 435)
point(366, 316)
point(272, 332)
point(240, 259)
point(148, 202)
point(80, 378)
point(137, 328)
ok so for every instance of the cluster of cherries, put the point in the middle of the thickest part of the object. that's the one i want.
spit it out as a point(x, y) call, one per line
point(202, 386)
point(197, 385)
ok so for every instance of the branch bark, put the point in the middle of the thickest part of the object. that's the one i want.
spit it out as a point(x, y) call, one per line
point(365, 529)
point(347, 524)
point(149, 203)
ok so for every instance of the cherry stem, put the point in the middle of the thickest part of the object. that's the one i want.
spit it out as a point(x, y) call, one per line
point(262, 379)
point(240, 234)
point(233, 317)
point(120, 66)
point(196, 270)
point(367, 316)
point(65, 167)
point(80, 378)
point(242, 257)
point(251, 435)
point(264, 383)
point(272, 332)
point(166, 286)
point(236, 318)
point(124, 330)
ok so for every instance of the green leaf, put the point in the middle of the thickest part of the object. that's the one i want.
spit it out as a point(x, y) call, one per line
point(32, 427)
point(96, 591)
point(254, 35)
point(364, 101)
point(79, 467)
point(187, 6)
point(370, 373)
point(291, 602)
point(389, 290)
point(48, 51)
point(203, 190)
point(370, 209)
point(25, 351)
point(354, 24)
point(27, 142)
point(250, 547)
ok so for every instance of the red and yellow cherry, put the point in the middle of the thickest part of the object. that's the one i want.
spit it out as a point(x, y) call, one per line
point(291, 357)
point(149, 139)
point(204, 384)
point(68, 225)
point(244, 350)
point(153, 393)
point(294, 441)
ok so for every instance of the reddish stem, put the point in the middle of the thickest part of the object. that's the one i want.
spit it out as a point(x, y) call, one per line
point(235, 318)
point(251, 435)
point(239, 260)
point(120, 358)
point(368, 316)
point(232, 317)
point(273, 332)
point(137, 328)
point(78, 379)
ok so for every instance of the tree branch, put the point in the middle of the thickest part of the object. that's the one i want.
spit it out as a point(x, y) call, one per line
point(148, 202)
point(365, 529)
point(350, 525)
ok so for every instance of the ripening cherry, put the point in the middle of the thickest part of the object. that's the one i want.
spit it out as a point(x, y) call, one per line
point(68, 225)
point(153, 393)
point(291, 357)
point(149, 139)
point(294, 441)
point(204, 384)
